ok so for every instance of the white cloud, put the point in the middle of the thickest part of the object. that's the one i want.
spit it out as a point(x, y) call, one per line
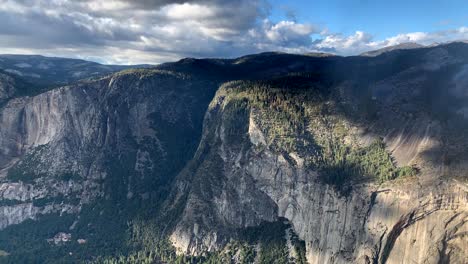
point(188, 11)
point(346, 44)
point(147, 31)
point(361, 42)
point(287, 31)
point(429, 38)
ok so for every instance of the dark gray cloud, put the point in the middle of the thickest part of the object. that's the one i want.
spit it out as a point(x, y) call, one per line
point(37, 29)
point(152, 4)
point(152, 31)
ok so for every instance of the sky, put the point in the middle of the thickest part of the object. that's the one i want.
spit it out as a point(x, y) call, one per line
point(156, 31)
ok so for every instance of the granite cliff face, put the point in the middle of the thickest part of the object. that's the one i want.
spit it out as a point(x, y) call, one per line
point(269, 167)
point(65, 143)
point(316, 159)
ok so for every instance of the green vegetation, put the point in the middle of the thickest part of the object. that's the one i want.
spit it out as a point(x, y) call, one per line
point(342, 163)
point(271, 237)
point(144, 73)
point(150, 247)
point(27, 243)
point(298, 114)
point(23, 87)
point(8, 202)
point(300, 248)
point(26, 169)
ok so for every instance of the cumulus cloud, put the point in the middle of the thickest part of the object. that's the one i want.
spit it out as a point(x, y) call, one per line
point(360, 41)
point(154, 31)
point(429, 38)
point(345, 44)
point(177, 28)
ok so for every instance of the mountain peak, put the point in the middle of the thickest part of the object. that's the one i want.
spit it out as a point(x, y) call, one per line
point(401, 46)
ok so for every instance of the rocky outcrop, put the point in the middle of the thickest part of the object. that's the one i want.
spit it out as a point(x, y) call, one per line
point(392, 223)
point(242, 176)
point(68, 145)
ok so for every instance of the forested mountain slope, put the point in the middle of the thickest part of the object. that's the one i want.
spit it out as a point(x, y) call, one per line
point(41, 69)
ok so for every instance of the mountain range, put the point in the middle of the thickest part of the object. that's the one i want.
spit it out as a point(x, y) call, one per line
point(266, 158)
